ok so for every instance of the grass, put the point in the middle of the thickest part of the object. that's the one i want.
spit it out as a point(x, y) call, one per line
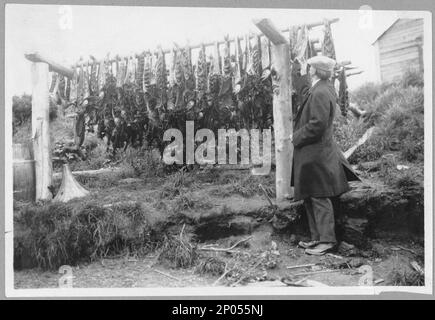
point(61, 233)
point(211, 265)
point(178, 251)
point(397, 112)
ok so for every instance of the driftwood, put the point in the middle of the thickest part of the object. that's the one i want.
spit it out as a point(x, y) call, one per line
point(243, 276)
point(70, 188)
point(230, 249)
point(360, 142)
point(315, 272)
point(417, 267)
point(396, 248)
point(165, 274)
point(226, 271)
point(302, 266)
point(89, 172)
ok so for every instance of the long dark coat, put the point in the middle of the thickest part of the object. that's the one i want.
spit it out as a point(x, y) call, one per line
point(319, 167)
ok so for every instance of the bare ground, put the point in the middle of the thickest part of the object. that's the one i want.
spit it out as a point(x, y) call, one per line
point(221, 209)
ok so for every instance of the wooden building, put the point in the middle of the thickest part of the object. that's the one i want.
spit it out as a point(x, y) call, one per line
point(399, 48)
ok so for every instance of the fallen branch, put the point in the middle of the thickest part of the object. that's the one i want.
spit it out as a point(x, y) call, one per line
point(165, 274)
point(360, 142)
point(58, 175)
point(315, 272)
point(302, 266)
point(406, 249)
point(243, 276)
point(417, 267)
point(267, 196)
point(230, 249)
point(226, 271)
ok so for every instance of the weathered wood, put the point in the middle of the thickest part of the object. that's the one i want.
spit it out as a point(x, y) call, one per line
point(360, 142)
point(53, 66)
point(270, 31)
point(398, 49)
point(41, 130)
point(354, 73)
point(282, 106)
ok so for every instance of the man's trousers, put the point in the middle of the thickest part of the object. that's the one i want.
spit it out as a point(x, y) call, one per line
point(320, 213)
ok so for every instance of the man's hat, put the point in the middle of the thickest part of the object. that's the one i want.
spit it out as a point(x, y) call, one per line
point(322, 63)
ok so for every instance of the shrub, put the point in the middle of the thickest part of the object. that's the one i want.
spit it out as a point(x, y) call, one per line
point(398, 115)
point(22, 109)
point(144, 162)
point(47, 242)
point(178, 251)
point(413, 78)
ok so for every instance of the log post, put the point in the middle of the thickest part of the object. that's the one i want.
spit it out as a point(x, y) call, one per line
point(282, 108)
point(41, 130)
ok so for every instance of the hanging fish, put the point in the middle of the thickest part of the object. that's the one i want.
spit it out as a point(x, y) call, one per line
point(179, 80)
point(328, 48)
point(214, 74)
point(153, 61)
point(247, 54)
point(238, 67)
point(254, 67)
point(302, 49)
point(93, 81)
point(171, 76)
point(140, 70)
point(227, 69)
point(80, 84)
point(102, 74)
point(226, 84)
point(161, 78)
point(147, 71)
point(86, 75)
point(130, 70)
point(61, 87)
point(120, 71)
point(311, 49)
point(188, 74)
point(68, 89)
point(343, 94)
point(201, 73)
point(265, 57)
point(293, 39)
point(54, 79)
point(74, 86)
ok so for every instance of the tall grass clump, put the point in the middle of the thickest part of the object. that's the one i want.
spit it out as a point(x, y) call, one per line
point(57, 233)
point(47, 241)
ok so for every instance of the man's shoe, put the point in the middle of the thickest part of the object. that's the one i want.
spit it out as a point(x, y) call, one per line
point(308, 244)
point(320, 249)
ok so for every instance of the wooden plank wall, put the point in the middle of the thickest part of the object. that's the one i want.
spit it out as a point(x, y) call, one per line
point(399, 48)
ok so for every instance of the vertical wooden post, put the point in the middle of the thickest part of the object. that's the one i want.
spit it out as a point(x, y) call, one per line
point(282, 108)
point(41, 130)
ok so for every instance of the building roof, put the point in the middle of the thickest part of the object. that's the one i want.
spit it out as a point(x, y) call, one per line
point(391, 25)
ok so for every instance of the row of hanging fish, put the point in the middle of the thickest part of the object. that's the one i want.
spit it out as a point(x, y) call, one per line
point(222, 89)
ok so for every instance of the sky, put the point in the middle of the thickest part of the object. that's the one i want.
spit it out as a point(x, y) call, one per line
point(66, 33)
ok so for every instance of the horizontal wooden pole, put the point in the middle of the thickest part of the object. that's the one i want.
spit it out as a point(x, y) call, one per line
point(198, 46)
point(270, 31)
point(52, 65)
point(354, 73)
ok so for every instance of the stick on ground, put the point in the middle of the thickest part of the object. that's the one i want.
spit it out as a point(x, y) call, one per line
point(230, 249)
point(165, 274)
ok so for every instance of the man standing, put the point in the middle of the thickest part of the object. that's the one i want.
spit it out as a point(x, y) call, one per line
point(320, 170)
